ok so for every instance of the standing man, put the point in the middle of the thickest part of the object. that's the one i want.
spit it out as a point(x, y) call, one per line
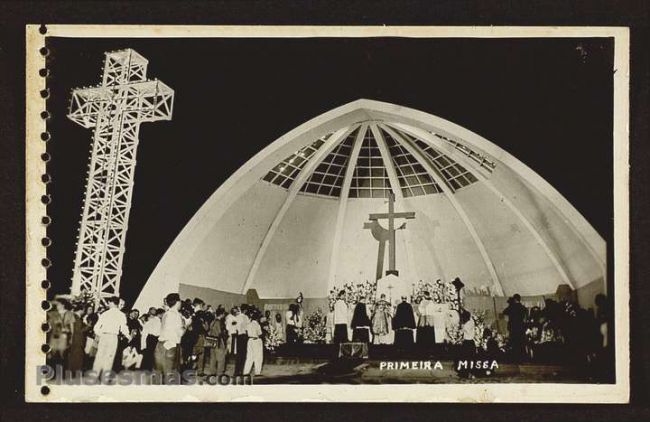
point(242, 339)
point(171, 330)
point(216, 341)
point(404, 324)
point(232, 328)
point(109, 324)
point(425, 331)
point(149, 338)
point(340, 319)
point(517, 314)
point(254, 346)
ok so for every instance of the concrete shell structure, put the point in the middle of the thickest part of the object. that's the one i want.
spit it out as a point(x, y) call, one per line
point(292, 218)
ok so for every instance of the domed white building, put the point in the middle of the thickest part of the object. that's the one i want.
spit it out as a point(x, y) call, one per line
point(292, 218)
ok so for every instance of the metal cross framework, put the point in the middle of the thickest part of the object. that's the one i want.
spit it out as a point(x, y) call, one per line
point(114, 109)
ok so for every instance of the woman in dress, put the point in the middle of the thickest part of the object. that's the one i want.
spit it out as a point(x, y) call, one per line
point(75, 356)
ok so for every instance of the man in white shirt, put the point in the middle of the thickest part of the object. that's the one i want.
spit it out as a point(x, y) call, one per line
point(149, 338)
point(242, 339)
point(340, 319)
point(254, 346)
point(109, 324)
point(232, 326)
point(171, 331)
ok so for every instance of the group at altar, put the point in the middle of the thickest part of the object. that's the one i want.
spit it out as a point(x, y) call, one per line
point(424, 322)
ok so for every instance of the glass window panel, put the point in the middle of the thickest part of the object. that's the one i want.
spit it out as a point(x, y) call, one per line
point(364, 193)
point(412, 180)
point(312, 188)
point(269, 176)
point(378, 183)
point(407, 170)
point(442, 161)
point(363, 172)
point(378, 172)
point(316, 178)
point(401, 160)
point(417, 190)
point(419, 169)
point(424, 179)
point(297, 161)
point(322, 167)
point(429, 189)
point(287, 183)
point(471, 177)
point(453, 170)
point(340, 160)
point(376, 162)
point(324, 190)
point(294, 173)
point(364, 183)
point(329, 180)
point(455, 184)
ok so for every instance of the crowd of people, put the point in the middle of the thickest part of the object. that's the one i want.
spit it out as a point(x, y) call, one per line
point(189, 334)
point(182, 335)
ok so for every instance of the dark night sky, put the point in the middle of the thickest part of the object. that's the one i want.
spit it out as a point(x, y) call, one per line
point(546, 101)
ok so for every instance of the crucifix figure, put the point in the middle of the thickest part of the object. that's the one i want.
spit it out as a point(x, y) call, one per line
point(382, 235)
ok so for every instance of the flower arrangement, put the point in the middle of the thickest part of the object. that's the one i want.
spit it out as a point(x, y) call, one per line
point(455, 332)
point(315, 328)
point(353, 292)
point(272, 340)
point(441, 292)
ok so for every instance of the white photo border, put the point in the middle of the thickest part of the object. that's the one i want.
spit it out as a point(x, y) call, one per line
point(467, 393)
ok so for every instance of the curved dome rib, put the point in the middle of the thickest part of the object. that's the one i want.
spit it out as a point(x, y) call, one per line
point(343, 202)
point(449, 193)
point(295, 187)
point(431, 140)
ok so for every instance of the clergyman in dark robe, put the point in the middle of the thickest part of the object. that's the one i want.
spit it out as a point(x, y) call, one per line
point(360, 323)
point(404, 324)
point(517, 314)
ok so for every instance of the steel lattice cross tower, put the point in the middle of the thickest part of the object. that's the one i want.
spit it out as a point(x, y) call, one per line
point(114, 110)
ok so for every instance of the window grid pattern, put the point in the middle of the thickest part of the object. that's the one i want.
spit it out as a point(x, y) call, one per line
point(454, 174)
point(478, 158)
point(413, 178)
point(286, 172)
point(370, 178)
point(327, 178)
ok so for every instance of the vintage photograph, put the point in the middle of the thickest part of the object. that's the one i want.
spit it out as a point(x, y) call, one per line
point(386, 211)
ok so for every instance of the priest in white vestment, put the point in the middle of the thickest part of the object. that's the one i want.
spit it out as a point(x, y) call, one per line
point(439, 315)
